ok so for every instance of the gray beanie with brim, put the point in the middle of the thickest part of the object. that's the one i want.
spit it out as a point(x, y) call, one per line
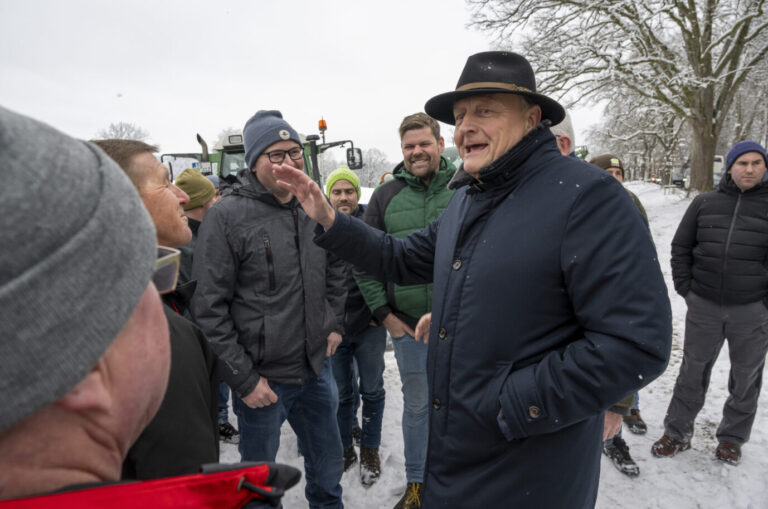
point(78, 250)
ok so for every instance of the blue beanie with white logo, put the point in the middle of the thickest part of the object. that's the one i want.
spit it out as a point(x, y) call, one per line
point(265, 128)
point(742, 148)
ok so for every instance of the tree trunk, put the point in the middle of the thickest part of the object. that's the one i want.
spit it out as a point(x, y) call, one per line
point(703, 144)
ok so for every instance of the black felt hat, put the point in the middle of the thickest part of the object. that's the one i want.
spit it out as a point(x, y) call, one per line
point(494, 72)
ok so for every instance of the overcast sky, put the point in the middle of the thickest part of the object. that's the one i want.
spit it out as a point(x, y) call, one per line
point(177, 68)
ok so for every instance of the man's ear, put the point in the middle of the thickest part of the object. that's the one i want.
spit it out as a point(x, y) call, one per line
point(564, 142)
point(532, 117)
point(440, 145)
point(90, 393)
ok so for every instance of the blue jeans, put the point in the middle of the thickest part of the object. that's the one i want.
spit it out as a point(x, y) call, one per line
point(223, 399)
point(367, 348)
point(411, 356)
point(311, 411)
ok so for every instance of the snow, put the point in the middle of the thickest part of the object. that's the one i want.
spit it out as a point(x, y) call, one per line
point(692, 479)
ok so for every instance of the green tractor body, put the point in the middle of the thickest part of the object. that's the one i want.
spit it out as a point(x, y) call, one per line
point(227, 160)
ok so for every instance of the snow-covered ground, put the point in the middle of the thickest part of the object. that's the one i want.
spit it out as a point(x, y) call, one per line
point(693, 479)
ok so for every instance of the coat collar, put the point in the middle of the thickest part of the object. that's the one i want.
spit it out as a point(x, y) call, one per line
point(504, 170)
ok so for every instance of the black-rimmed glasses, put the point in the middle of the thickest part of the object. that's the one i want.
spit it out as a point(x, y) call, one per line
point(278, 156)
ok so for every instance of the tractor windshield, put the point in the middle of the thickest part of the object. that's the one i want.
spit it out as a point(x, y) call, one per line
point(231, 162)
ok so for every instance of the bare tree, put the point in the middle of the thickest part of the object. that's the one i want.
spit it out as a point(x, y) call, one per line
point(375, 163)
point(123, 131)
point(692, 56)
point(647, 135)
point(222, 138)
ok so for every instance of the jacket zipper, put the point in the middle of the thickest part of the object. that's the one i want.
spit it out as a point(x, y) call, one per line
point(727, 245)
point(270, 264)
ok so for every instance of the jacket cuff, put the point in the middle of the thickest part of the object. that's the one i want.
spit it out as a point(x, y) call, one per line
point(381, 313)
point(247, 387)
point(621, 410)
point(521, 406)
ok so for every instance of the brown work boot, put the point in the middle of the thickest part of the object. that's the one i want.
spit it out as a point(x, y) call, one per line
point(370, 465)
point(635, 423)
point(728, 452)
point(412, 496)
point(667, 446)
point(350, 457)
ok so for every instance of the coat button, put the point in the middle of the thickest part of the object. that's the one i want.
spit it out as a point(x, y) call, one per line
point(456, 264)
point(442, 333)
point(534, 412)
point(436, 403)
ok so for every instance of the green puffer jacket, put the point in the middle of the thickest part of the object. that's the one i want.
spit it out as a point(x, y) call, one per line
point(401, 206)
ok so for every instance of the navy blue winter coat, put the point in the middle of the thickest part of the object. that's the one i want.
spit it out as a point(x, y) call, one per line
point(549, 306)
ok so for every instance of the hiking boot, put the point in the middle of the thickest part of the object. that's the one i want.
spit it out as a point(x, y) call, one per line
point(728, 452)
point(668, 446)
point(350, 457)
point(618, 451)
point(370, 465)
point(635, 423)
point(356, 434)
point(412, 496)
point(228, 433)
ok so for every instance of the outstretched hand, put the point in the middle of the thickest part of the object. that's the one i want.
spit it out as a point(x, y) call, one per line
point(308, 193)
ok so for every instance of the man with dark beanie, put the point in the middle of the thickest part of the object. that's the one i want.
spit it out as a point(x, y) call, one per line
point(273, 309)
point(718, 266)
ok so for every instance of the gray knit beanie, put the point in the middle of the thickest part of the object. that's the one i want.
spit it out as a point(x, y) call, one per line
point(78, 250)
point(263, 129)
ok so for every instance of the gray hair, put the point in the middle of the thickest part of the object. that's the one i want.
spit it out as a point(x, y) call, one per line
point(565, 128)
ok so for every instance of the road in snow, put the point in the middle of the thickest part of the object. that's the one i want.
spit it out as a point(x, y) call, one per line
point(692, 479)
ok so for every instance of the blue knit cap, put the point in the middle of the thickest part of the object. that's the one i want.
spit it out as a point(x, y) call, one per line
point(742, 148)
point(263, 129)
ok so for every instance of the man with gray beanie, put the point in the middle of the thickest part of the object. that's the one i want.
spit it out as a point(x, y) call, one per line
point(272, 307)
point(84, 351)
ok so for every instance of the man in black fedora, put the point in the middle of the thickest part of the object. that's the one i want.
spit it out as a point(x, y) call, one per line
point(549, 304)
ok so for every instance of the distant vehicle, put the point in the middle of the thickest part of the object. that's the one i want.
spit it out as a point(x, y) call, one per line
point(225, 161)
point(678, 178)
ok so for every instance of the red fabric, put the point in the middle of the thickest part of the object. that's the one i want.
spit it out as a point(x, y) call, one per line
point(214, 490)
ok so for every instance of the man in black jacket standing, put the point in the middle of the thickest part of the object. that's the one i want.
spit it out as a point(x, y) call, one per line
point(272, 306)
point(719, 265)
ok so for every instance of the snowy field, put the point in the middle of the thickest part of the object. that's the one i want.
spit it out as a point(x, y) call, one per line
point(693, 479)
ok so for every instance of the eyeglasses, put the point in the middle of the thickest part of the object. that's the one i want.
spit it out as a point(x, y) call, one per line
point(278, 156)
point(166, 273)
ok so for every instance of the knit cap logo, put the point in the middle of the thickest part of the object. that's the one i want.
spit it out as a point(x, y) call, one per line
point(284, 134)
